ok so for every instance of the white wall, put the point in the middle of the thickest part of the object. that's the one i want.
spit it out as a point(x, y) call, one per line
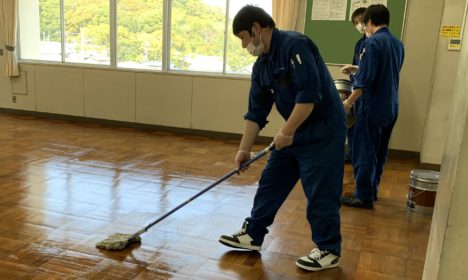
point(447, 253)
point(164, 100)
point(219, 104)
point(422, 24)
point(59, 90)
point(435, 128)
point(109, 95)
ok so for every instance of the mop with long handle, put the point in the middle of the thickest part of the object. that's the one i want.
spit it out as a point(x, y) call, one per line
point(119, 241)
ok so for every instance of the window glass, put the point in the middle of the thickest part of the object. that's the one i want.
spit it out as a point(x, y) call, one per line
point(197, 35)
point(140, 33)
point(39, 30)
point(87, 31)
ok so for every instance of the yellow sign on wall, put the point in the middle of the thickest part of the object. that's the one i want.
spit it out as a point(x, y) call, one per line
point(450, 31)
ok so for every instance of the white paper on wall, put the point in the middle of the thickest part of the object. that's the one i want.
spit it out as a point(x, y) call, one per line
point(320, 9)
point(329, 9)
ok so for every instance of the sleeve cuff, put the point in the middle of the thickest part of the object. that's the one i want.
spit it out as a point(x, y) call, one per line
point(252, 117)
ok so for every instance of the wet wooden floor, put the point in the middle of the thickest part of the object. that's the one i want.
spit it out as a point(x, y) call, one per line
point(65, 186)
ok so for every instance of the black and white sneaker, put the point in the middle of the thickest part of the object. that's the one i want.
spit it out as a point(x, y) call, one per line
point(240, 240)
point(318, 260)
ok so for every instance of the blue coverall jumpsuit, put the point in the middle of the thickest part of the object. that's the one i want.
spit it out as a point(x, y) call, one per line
point(357, 52)
point(294, 72)
point(376, 110)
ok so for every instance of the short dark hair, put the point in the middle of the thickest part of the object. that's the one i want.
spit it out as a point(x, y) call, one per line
point(249, 14)
point(358, 12)
point(379, 15)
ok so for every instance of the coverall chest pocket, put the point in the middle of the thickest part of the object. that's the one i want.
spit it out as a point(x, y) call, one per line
point(282, 83)
point(281, 78)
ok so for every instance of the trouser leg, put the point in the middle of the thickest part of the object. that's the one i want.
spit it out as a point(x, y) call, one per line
point(367, 139)
point(280, 175)
point(382, 152)
point(349, 137)
point(321, 173)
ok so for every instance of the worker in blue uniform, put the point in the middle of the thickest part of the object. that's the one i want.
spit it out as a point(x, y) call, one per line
point(375, 97)
point(351, 70)
point(290, 73)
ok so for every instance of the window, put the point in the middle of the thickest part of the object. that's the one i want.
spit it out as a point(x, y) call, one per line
point(130, 33)
point(197, 35)
point(87, 31)
point(140, 34)
point(40, 36)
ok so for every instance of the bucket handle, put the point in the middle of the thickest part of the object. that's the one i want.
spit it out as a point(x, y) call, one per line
point(419, 193)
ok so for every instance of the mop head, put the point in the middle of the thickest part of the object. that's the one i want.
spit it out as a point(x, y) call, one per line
point(117, 241)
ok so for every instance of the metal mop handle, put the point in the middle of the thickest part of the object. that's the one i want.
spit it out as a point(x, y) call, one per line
point(245, 164)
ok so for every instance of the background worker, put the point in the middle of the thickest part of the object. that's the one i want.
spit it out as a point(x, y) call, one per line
point(375, 97)
point(351, 69)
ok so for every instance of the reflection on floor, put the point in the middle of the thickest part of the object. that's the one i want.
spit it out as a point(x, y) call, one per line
point(65, 186)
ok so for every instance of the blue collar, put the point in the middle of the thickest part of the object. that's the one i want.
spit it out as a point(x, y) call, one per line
point(274, 41)
point(383, 29)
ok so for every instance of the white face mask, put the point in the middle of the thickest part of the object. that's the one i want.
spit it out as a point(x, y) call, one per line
point(360, 28)
point(255, 50)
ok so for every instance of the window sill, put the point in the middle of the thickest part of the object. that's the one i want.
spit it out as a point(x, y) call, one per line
point(135, 70)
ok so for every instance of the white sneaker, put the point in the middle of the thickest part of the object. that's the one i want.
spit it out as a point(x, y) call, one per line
point(318, 260)
point(240, 240)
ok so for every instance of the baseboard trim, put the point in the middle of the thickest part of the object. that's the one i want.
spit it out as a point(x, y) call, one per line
point(429, 166)
point(139, 126)
point(402, 154)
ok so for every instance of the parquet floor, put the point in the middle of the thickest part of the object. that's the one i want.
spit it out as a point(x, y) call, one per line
point(65, 186)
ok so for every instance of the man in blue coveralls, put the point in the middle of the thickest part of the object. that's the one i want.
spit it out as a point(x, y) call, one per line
point(290, 73)
point(375, 97)
point(351, 69)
